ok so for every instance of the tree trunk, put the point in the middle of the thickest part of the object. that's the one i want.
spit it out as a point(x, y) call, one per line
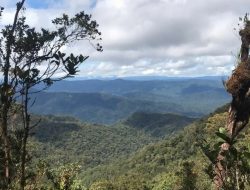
point(26, 126)
point(6, 97)
point(6, 150)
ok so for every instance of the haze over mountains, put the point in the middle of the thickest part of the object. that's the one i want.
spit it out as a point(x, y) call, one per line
point(109, 101)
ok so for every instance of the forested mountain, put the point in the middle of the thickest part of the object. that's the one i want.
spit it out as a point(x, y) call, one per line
point(91, 145)
point(109, 101)
point(174, 163)
point(97, 107)
point(157, 124)
point(132, 157)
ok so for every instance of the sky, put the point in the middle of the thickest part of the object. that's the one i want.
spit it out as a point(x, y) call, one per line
point(149, 37)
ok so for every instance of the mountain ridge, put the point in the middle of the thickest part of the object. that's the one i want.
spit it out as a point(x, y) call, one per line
point(110, 101)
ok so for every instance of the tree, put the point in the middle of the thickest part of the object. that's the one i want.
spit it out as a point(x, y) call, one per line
point(235, 162)
point(64, 177)
point(227, 158)
point(29, 57)
point(102, 185)
point(187, 177)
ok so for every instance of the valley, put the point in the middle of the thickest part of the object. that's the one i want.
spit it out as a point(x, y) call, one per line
point(128, 137)
point(143, 152)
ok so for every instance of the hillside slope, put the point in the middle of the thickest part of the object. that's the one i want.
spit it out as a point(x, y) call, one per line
point(158, 124)
point(160, 166)
point(69, 140)
point(64, 140)
point(129, 157)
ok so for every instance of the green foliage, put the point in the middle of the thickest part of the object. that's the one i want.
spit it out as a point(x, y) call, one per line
point(149, 161)
point(63, 178)
point(236, 161)
point(157, 124)
point(166, 182)
point(174, 163)
point(117, 159)
point(131, 181)
point(187, 177)
point(69, 140)
point(102, 185)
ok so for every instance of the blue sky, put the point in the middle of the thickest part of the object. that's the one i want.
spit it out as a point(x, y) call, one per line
point(45, 4)
point(151, 37)
point(37, 4)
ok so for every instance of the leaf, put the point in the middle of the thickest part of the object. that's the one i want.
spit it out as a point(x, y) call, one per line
point(247, 155)
point(60, 54)
point(210, 154)
point(224, 137)
point(218, 145)
point(81, 58)
point(222, 130)
point(234, 152)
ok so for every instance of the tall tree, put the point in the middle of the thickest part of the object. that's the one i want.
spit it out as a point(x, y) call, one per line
point(238, 85)
point(29, 57)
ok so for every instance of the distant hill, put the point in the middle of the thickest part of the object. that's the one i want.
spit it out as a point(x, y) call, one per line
point(109, 101)
point(157, 124)
point(97, 107)
point(123, 86)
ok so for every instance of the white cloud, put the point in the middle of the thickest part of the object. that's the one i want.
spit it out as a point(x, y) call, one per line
point(160, 37)
point(193, 66)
